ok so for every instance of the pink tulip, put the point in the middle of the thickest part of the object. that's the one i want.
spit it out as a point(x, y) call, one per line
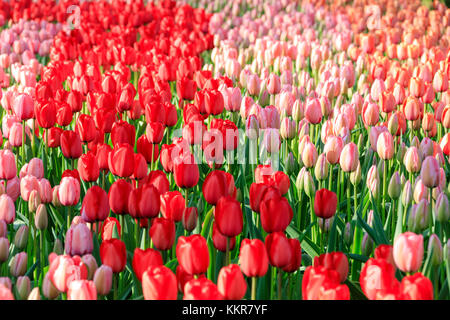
point(36, 168)
point(349, 157)
point(78, 240)
point(82, 290)
point(27, 185)
point(69, 191)
point(7, 209)
point(385, 146)
point(8, 168)
point(408, 251)
point(430, 172)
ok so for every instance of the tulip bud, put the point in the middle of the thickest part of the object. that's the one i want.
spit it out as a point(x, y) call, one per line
point(290, 164)
point(442, 208)
point(298, 111)
point(407, 194)
point(21, 237)
point(48, 289)
point(4, 250)
point(34, 294)
point(401, 151)
point(41, 217)
point(395, 186)
point(308, 184)
point(252, 127)
point(55, 197)
point(34, 201)
point(348, 234)
point(103, 279)
point(23, 287)
point(393, 123)
point(361, 143)
point(299, 181)
point(91, 264)
point(189, 218)
point(367, 245)
point(435, 250)
point(58, 247)
point(418, 219)
point(355, 176)
point(321, 168)
point(18, 264)
point(429, 173)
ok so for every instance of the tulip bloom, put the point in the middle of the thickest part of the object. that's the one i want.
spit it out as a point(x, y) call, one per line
point(377, 279)
point(231, 282)
point(416, 287)
point(143, 259)
point(82, 290)
point(186, 172)
point(8, 168)
point(334, 261)
point(278, 249)
point(193, 254)
point(78, 240)
point(7, 209)
point(69, 191)
point(70, 144)
point(88, 167)
point(162, 233)
point(201, 289)
point(296, 256)
point(95, 205)
point(118, 195)
point(144, 202)
point(253, 258)
point(228, 216)
point(276, 214)
point(320, 283)
point(172, 205)
point(159, 283)
point(216, 185)
point(64, 269)
point(114, 254)
point(408, 251)
point(121, 160)
point(349, 158)
point(325, 203)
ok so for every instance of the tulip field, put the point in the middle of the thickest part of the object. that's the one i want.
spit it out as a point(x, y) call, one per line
point(224, 150)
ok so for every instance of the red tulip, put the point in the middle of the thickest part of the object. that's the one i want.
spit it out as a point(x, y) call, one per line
point(253, 258)
point(159, 283)
point(228, 216)
point(85, 128)
point(95, 205)
point(143, 259)
point(218, 184)
point(377, 278)
point(386, 252)
point(162, 233)
point(276, 214)
point(118, 195)
point(140, 167)
point(278, 249)
point(214, 103)
point(189, 218)
point(186, 171)
point(261, 192)
point(416, 287)
point(172, 205)
point(46, 115)
point(113, 253)
point(186, 89)
point(231, 282)
point(334, 261)
point(325, 203)
point(123, 132)
point(154, 132)
point(201, 289)
point(159, 180)
point(121, 160)
point(320, 283)
point(193, 254)
point(144, 202)
point(102, 155)
point(70, 144)
point(88, 167)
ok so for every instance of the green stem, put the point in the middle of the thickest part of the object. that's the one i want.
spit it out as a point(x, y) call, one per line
point(254, 288)
point(280, 278)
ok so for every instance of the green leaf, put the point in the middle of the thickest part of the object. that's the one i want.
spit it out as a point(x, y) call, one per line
point(355, 290)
